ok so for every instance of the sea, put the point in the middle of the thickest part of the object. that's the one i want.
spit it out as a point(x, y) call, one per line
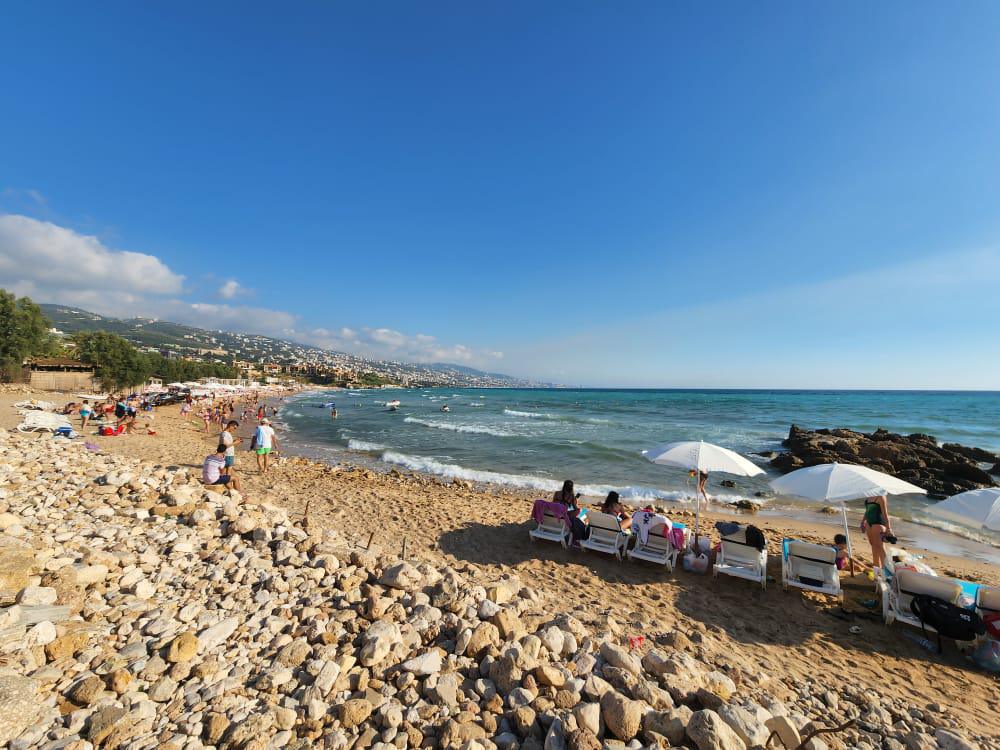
point(536, 438)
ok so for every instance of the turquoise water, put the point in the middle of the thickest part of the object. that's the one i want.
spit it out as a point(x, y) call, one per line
point(537, 438)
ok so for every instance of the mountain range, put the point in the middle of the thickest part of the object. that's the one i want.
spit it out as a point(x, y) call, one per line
point(228, 346)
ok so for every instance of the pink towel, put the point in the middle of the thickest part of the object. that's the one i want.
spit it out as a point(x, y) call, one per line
point(540, 507)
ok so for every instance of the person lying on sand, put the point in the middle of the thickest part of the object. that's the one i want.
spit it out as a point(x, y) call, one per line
point(215, 471)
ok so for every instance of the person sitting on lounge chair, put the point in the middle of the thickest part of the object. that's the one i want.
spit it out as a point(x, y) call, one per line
point(612, 504)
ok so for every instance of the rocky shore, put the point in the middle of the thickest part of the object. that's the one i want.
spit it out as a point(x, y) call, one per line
point(139, 610)
point(943, 470)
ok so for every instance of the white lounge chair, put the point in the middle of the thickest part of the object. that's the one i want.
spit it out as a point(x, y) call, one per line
point(606, 535)
point(988, 601)
point(42, 421)
point(35, 405)
point(898, 592)
point(551, 529)
point(658, 548)
point(742, 560)
point(812, 567)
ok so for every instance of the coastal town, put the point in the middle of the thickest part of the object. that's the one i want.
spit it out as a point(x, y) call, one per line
point(256, 358)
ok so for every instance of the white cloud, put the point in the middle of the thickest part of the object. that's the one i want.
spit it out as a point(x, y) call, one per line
point(386, 343)
point(51, 263)
point(54, 258)
point(230, 289)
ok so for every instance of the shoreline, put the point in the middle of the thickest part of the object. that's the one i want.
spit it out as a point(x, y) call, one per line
point(786, 634)
point(911, 532)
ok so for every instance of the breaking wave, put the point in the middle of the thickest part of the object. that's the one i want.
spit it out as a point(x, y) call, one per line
point(468, 428)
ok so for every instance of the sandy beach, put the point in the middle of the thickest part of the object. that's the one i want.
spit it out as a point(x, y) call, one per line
point(797, 636)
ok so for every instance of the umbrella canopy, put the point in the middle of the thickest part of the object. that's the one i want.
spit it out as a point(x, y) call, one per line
point(698, 455)
point(979, 507)
point(840, 482)
point(702, 456)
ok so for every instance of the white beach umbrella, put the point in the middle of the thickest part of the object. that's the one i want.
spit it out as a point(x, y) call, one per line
point(978, 507)
point(697, 455)
point(836, 482)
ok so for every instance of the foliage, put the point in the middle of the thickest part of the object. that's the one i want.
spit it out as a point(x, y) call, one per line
point(182, 370)
point(117, 363)
point(24, 332)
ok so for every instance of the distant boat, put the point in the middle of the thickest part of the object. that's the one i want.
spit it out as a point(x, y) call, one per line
point(392, 404)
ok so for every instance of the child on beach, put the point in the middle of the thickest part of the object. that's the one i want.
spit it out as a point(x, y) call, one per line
point(843, 558)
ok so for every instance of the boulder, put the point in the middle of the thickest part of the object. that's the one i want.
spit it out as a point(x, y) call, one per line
point(708, 731)
point(20, 706)
point(619, 657)
point(621, 715)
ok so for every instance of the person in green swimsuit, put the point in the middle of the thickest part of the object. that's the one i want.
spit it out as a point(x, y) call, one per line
point(877, 525)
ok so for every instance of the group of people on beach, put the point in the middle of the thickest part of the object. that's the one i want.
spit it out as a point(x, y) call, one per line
point(876, 523)
point(219, 468)
point(122, 412)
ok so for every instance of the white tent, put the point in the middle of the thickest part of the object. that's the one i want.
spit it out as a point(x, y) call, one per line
point(975, 507)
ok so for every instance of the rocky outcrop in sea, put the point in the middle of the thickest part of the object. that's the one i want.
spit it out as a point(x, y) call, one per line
point(942, 470)
point(139, 610)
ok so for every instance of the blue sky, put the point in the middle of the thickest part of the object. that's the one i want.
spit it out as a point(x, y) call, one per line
point(661, 194)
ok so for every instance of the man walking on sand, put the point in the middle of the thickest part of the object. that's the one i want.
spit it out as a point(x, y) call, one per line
point(265, 441)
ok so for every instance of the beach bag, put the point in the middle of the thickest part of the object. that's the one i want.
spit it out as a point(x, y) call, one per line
point(694, 562)
point(949, 620)
point(253, 441)
point(107, 430)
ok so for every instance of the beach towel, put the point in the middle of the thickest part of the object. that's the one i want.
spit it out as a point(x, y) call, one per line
point(540, 507)
point(643, 521)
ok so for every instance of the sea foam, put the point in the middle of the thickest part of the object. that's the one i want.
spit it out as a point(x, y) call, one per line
point(634, 495)
point(469, 428)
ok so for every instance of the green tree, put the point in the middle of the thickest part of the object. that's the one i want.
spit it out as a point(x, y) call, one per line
point(24, 332)
point(117, 363)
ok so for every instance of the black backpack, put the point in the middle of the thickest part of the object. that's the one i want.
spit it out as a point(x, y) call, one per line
point(949, 620)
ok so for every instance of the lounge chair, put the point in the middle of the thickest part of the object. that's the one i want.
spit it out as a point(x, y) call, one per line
point(812, 567)
point(42, 421)
point(35, 405)
point(606, 535)
point(898, 592)
point(742, 560)
point(553, 526)
point(988, 601)
point(658, 548)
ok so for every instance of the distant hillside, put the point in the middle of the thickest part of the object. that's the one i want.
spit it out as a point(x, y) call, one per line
point(228, 346)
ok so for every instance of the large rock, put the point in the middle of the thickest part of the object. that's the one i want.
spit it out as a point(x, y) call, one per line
point(183, 648)
point(17, 560)
point(788, 733)
point(941, 469)
point(617, 656)
point(709, 732)
point(378, 641)
point(355, 711)
point(744, 723)
point(622, 716)
point(20, 706)
point(403, 576)
point(948, 739)
point(426, 664)
point(484, 636)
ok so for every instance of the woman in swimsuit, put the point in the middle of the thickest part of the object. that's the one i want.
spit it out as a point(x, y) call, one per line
point(877, 526)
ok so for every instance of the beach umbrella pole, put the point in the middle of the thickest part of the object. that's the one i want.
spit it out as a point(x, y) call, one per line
point(847, 533)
